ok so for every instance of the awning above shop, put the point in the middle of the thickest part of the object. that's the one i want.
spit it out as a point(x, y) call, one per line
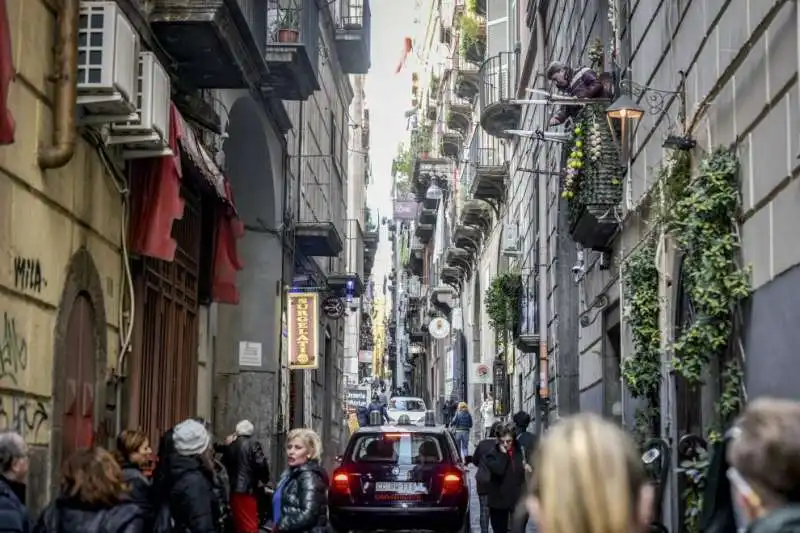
point(158, 204)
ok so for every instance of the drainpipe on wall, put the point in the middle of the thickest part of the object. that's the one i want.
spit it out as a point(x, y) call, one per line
point(66, 91)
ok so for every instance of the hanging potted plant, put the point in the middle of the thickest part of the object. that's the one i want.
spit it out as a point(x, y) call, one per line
point(473, 39)
point(288, 26)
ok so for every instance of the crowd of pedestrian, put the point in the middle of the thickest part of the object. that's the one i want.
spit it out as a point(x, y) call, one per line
point(585, 475)
point(197, 486)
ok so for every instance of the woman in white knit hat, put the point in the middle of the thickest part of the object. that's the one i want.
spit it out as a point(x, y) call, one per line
point(193, 504)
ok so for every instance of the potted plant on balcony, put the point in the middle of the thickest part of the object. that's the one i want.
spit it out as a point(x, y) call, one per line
point(289, 26)
point(473, 39)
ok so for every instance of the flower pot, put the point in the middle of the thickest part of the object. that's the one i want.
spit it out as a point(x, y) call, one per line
point(286, 35)
point(423, 155)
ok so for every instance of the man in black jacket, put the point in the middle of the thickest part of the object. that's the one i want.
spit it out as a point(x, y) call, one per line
point(248, 471)
point(526, 442)
point(14, 464)
point(483, 476)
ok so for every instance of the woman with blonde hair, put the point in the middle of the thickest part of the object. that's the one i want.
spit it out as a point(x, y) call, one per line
point(94, 498)
point(462, 425)
point(133, 453)
point(300, 501)
point(589, 478)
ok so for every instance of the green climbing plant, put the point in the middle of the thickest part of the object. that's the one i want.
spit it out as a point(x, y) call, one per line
point(502, 301)
point(642, 371)
point(700, 212)
point(704, 228)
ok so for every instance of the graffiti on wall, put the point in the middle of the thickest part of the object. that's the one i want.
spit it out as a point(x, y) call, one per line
point(28, 274)
point(13, 350)
point(27, 416)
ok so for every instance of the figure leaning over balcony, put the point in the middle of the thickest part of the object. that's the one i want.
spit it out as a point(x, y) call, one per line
point(582, 82)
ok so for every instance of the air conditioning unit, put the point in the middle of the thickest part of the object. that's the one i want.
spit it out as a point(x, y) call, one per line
point(108, 50)
point(148, 135)
point(510, 240)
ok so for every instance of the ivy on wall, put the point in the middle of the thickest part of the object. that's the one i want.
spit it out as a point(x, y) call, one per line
point(642, 371)
point(502, 301)
point(704, 227)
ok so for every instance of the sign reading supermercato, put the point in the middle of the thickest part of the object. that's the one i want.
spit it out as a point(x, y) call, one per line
point(303, 330)
point(357, 397)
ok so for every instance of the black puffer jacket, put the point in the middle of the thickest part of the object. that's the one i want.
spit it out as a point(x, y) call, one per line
point(192, 501)
point(72, 516)
point(246, 465)
point(140, 487)
point(304, 500)
point(507, 478)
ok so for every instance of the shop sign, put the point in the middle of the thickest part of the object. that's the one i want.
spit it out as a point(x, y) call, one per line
point(303, 326)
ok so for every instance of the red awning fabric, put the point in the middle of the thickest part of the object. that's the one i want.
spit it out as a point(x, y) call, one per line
point(7, 124)
point(158, 204)
point(226, 255)
point(157, 201)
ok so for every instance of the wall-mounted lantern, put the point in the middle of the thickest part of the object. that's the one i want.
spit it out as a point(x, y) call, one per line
point(628, 112)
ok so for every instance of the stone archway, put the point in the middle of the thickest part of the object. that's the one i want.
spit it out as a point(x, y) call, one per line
point(79, 397)
point(244, 386)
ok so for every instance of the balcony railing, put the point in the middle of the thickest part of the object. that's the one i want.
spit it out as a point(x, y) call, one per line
point(498, 84)
point(218, 44)
point(292, 32)
point(485, 151)
point(451, 142)
point(354, 245)
point(466, 78)
point(353, 35)
point(458, 111)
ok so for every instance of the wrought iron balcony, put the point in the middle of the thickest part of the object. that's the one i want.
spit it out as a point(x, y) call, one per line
point(451, 142)
point(426, 213)
point(459, 258)
point(291, 52)
point(487, 156)
point(424, 232)
point(458, 112)
point(468, 238)
point(353, 35)
point(466, 79)
point(498, 85)
point(452, 276)
point(477, 214)
point(354, 247)
point(219, 44)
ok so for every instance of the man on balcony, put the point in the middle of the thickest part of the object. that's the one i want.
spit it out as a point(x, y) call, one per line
point(583, 83)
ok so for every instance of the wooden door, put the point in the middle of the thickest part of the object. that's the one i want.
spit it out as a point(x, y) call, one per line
point(78, 422)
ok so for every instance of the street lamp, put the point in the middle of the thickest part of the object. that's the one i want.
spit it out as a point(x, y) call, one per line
point(627, 111)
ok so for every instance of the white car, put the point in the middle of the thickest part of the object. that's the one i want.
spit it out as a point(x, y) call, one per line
point(407, 405)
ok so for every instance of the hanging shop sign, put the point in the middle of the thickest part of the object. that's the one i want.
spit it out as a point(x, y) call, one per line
point(439, 328)
point(333, 307)
point(481, 374)
point(303, 326)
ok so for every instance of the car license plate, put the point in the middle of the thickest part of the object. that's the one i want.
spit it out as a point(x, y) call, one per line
point(401, 488)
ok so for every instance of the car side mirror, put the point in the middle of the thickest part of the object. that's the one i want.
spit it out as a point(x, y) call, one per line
point(468, 459)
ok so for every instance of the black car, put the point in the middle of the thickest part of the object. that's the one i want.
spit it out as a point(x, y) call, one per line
point(400, 477)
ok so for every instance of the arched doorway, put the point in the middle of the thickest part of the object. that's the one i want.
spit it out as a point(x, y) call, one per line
point(248, 387)
point(80, 417)
point(79, 379)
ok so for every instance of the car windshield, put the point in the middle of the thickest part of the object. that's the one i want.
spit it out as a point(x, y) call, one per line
point(398, 448)
point(407, 405)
